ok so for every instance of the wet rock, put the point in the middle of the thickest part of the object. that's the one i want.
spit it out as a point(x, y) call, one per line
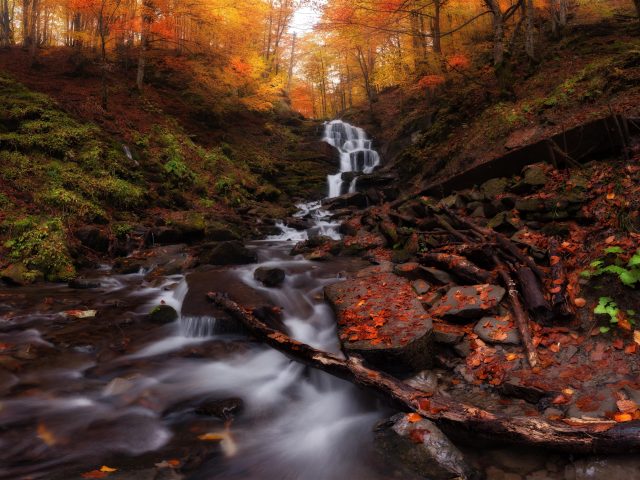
point(271, 316)
point(390, 233)
point(355, 199)
point(270, 277)
point(494, 187)
point(421, 448)
point(226, 253)
point(297, 223)
point(7, 381)
point(497, 330)
point(478, 212)
point(380, 318)
point(224, 409)
point(465, 303)
point(83, 284)
point(315, 242)
point(377, 179)
point(619, 467)
point(163, 314)
point(219, 233)
point(505, 222)
point(463, 348)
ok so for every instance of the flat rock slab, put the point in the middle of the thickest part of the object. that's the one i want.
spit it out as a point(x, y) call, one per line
point(468, 303)
point(381, 318)
point(497, 330)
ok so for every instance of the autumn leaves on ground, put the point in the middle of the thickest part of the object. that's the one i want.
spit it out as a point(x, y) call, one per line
point(161, 137)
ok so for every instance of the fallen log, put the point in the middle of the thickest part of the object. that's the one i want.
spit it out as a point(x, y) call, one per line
point(533, 295)
point(457, 265)
point(522, 321)
point(572, 435)
point(559, 299)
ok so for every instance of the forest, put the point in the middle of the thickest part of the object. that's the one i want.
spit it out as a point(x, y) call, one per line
point(319, 239)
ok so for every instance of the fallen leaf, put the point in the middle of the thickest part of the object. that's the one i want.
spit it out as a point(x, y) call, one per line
point(81, 313)
point(173, 463)
point(227, 443)
point(46, 435)
point(104, 468)
point(554, 260)
point(413, 417)
point(611, 196)
point(623, 417)
point(512, 356)
point(636, 336)
point(610, 239)
point(579, 302)
point(94, 474)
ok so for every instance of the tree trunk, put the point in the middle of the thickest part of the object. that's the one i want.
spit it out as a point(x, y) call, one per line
point(437, 41)
point(144, 42)
point(575, 436)
point(498, 31)
point(637, 4)
point(291, 62)
point(529, 29)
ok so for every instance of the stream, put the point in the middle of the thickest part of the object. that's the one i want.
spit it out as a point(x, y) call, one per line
point(89, 392)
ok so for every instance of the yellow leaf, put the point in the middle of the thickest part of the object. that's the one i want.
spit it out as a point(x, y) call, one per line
point(636, 336)
point(214, 436)
point(104, 468)
point(46, 435)
point(414, 417)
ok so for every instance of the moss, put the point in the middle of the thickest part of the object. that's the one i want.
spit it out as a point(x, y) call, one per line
point(72, 204)
point(42, 247)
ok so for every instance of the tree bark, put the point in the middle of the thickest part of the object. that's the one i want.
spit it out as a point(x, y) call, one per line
point(637, 5)
point(574, 435)
point(144, 42)
point(529, 29)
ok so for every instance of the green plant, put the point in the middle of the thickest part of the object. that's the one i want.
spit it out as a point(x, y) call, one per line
point(628, 273)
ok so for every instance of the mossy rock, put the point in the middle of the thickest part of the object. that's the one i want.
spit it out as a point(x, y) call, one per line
point(163, 314)
point(18, 274)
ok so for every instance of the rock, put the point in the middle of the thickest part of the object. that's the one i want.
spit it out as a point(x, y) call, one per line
point(18, 274)
point(535, 175)
point(390, 233)
point(494, 187)
point(380, 318)
point(447, 334)
point(224, 409)
point(163, 314)
point(376, 180)
point(465, 303)
point(497, 330)
point(478, 213)
point(270, 277)
point(528, 205)
point(355, 199)
point(438, 275)
point(226, 253)
point(513, 387)
point(83, 284)
point(505, 222)
point(463, 348)
point(93, 238)
point(421, 448)
point(411, 270)
point(426, 380)
point(420, 286)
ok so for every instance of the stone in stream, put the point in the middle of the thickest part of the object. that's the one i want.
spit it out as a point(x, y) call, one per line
point(497, 330)
point(421, 447)
point(83, 284)
point(381, 318)
point(355, 199)
point(231, 252)
point(467, 303)
point(163, 314)
point(269, 277)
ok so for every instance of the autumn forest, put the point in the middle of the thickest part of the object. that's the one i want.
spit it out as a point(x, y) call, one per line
point(319, 239)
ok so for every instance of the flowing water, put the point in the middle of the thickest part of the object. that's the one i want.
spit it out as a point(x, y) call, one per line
point(356, 155)
point(116, 390)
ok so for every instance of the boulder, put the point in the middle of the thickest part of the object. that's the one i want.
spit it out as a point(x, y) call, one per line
point(497, 330)
point(93, 238)
point(410, 270)
point(269, 277)
point(163, 314)
point(83, 284)
point(535, 175)
point(381, 318)
point(420, 286)
point(468, 303)
point(421, 447)
point(230, 252)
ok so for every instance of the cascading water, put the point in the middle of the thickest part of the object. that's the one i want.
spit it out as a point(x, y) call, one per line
point(356, 155)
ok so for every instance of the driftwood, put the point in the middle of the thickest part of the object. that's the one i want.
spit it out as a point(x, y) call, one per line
point(457, 265)
point(559, 299)
point(573, 435)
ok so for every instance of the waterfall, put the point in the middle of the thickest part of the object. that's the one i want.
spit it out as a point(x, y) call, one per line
point(356, 155)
